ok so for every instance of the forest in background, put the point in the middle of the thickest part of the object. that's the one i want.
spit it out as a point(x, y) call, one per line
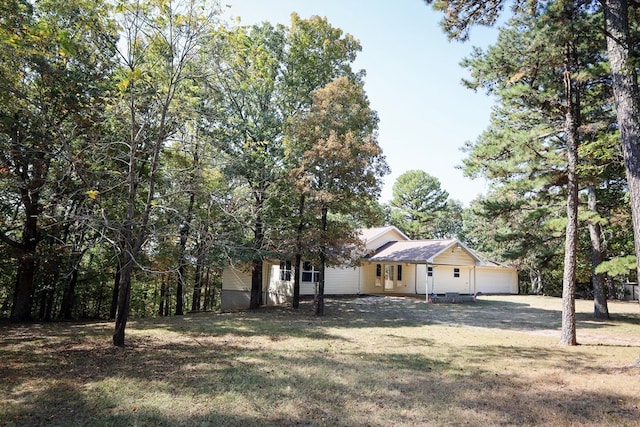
point(147, 144)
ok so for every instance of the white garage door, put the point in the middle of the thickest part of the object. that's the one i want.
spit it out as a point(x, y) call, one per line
point(497, 280)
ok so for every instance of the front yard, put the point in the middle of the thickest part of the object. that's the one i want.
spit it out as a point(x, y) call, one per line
point(370, 361)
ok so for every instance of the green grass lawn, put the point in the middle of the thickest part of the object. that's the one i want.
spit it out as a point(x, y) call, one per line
point(369, 362)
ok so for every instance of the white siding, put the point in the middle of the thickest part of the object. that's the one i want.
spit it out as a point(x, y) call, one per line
point(444, 280)
point(368, 278)
point(421, 284)
point(280, 291)
point(390, 236)
point(413, 279)
point(497, 280)
point(235, 279)
point(338, 281)
point(341, 281)
point(454, 256)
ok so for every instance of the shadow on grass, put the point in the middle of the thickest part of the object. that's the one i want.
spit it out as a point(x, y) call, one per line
point(151, 384)
point(210, 371)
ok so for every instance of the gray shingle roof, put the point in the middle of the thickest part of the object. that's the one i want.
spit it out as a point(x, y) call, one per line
point(413, 251)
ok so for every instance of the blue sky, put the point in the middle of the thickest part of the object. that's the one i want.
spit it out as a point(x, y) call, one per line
point(413, 81)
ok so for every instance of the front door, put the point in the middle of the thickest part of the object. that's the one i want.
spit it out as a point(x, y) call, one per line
point(389, 277)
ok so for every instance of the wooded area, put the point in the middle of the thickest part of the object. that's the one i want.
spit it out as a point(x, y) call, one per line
point(147, 144)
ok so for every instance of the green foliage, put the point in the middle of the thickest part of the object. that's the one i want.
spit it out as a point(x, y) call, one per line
point(522, 153)
point(162, 151)
point(338, 163)
point(620, 266)
point(417, 203)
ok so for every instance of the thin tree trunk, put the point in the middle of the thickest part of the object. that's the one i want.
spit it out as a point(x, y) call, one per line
point(256, 284)
point(296, 280)
point(627, 97)
point(114, 293)
point(208, 291)
point(182, 257)
point(572, 120)
point(298, 256)
point(50, 295)
point(197, 285)
point(23, 291)
point(319, 299)
point(600, 307)
point(69, 293)
point(124, 298)
point(257, 263)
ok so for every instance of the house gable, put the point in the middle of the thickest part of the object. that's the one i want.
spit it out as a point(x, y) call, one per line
point(373, 238)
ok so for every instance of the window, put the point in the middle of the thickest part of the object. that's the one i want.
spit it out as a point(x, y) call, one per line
point(456, 272)
point(285, 271)
point(309, 272)
point(399, 273)
point(429, 271)
point(378, 275)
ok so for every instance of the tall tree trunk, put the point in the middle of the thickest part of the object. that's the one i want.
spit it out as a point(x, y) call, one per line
point(296, 279)
point(208, 291)
point(124, 298)
point(600, 307)
point(572, 120)
point(128, 257)
point(256, 284)
point(115, 292)
point(257, 263)
point(627, 97)
point(319, 298)
point(298, 256)
point(69, 293)
point(49, 297)
point(206, 304)
point(182, 256)
point(23, 291)
point(197, 285)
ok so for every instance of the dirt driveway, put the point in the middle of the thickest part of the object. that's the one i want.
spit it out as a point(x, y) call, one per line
point(538, 315)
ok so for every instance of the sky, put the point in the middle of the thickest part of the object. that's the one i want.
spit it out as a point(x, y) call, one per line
point(413, 80)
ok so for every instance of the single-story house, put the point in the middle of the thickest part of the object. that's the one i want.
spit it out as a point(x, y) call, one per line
point(392, 264)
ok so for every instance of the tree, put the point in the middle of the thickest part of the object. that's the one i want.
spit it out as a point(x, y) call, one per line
point(448, 222)
point(567, 24)
point(261, 77)
point(340, 168)
point(461, 15)
point(244, 119)
point(160, 40)
point(627, 97)
point(417, 200)
point(55, 57)
point(318, 54)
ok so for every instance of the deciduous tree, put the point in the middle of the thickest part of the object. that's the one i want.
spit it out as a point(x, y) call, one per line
point(340, 168)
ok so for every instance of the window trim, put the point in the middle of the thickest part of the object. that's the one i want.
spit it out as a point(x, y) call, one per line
point(310, 271)
point(285, 271)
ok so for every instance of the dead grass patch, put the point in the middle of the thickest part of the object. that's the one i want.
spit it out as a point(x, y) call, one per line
point(369, 362)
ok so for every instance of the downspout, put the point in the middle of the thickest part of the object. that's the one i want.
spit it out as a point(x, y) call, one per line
point(415, 278)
